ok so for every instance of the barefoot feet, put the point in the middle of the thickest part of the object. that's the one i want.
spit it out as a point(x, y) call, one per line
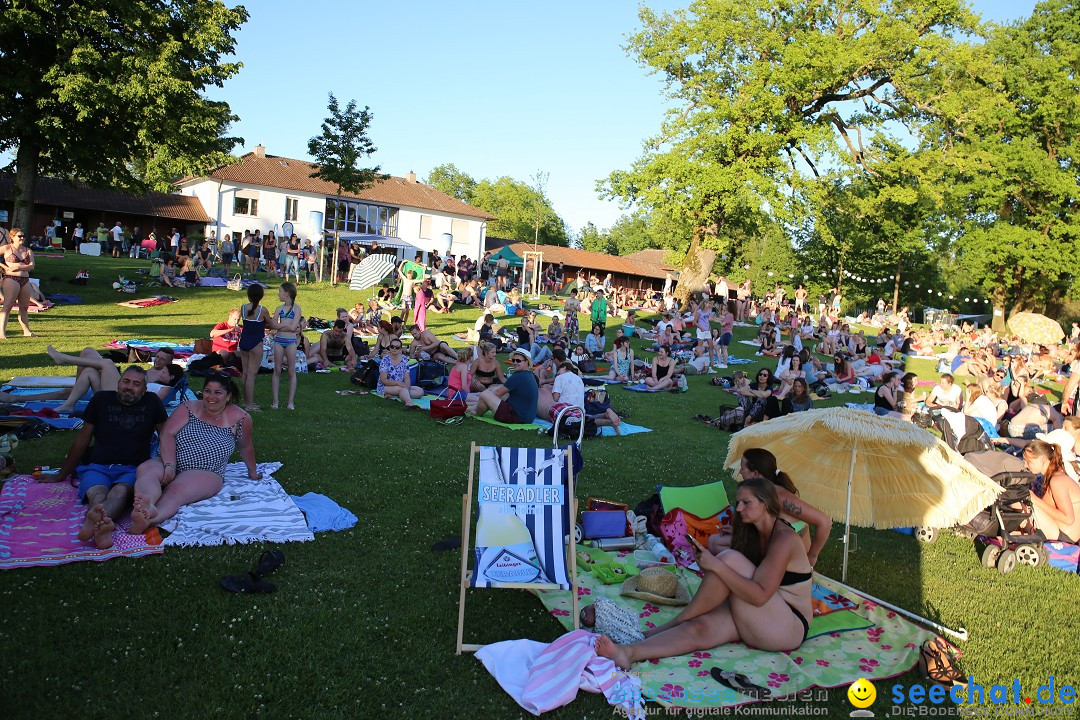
point(142, 515)
point(616, 653)
point(54, 354)
point(93, 518)
point(103, 533)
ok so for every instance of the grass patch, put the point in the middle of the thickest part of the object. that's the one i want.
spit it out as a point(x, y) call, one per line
point(363, 623)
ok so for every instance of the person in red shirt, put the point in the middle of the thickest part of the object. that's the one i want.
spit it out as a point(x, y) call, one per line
point(226, 335)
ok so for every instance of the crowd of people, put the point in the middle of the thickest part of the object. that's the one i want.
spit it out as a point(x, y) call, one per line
point(756, 582)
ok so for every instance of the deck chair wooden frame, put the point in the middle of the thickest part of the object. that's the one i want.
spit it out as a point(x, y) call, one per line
point(466, 549)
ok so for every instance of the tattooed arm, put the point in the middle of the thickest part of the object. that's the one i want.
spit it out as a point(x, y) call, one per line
point(795, 507)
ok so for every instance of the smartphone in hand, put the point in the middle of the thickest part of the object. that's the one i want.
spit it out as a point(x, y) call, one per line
point(693, 543)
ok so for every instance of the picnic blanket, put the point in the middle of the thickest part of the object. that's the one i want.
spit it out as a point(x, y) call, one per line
point(151, 346)
point(41, 381)
point(148, 302)
point(843, 646)
point(223, 282)
point(488, 418)
point(245, 511)
point(39, 523)
point(607, 430)
point(642, 387)
point(63, 299)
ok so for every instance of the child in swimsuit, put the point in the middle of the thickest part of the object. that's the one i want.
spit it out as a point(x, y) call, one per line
point(287, 322)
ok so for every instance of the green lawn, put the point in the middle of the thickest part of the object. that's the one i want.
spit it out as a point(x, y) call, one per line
point(363, 623)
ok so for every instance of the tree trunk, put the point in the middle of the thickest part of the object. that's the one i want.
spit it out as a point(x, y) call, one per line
point(696, 269)
point(997, 320)
point(896, 285)
point(26, 173)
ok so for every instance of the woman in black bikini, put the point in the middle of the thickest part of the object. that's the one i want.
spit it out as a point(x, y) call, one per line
point(16, 262)
point(486, 371)
point(757, 592)
point(662, 375)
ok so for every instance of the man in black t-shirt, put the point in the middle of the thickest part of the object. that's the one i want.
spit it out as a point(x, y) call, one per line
point(122, 424)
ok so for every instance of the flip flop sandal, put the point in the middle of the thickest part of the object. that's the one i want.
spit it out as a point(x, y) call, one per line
point(248, 583)
point(740, 684)
point(269, 561)
point(450, 543)
point(456, 420)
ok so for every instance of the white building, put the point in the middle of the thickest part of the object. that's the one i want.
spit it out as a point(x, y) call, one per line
point(267, 192)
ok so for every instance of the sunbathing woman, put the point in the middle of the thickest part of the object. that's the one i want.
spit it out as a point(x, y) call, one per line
point(1057, 510)
point(486, 370)
point(196, 444)
point(662, 374)
point(760, 463)
point(757, 592)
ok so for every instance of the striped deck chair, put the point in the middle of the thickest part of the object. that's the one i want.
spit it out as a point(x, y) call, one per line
point(525, 499)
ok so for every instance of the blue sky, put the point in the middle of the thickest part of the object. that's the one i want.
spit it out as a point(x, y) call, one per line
point(497, 88)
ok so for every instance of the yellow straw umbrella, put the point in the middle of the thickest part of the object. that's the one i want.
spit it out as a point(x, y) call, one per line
point(1036, 328)
point(862, 469)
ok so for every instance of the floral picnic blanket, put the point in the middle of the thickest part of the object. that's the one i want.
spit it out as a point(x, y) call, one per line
point(843, 646)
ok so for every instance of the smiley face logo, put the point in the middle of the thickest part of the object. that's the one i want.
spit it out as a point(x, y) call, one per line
point(862, 693)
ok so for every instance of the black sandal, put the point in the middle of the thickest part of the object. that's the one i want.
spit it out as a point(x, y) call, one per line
point(247, 583)
point(269, 561)
point(740, 684)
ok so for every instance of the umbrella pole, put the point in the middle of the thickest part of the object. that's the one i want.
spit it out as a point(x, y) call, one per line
point(847, 514)
point(961, 634)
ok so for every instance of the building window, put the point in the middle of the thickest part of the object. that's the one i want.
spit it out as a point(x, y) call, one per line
point(425, 227)
point(245, 206)
point(292, 206)
point(357, 217)
point(460, 230)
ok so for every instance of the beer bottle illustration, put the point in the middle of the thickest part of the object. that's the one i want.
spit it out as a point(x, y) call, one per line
point(505, 552)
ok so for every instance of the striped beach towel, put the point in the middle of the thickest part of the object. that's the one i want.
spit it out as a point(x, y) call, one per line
point(245, 511)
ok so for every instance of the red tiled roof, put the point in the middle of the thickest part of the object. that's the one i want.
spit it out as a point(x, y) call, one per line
point(591, 260)
point(284, 173)
point(652, 257)
point(51, 191)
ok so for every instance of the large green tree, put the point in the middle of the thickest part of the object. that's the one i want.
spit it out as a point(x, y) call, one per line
point(1010, 138)
point(455, 183)
point(766, 94)
point(338, 150)
point(518, 206)
point(98, 90)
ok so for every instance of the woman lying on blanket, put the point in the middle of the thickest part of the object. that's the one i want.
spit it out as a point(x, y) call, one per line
point(196, 443)
point(760, 463)
point(97, 373)
point(757, 591)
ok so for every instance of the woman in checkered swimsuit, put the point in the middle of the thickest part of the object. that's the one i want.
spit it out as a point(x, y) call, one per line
point(196, 444)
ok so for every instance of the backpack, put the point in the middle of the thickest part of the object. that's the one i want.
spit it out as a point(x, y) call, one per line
point(587, 366)
point(366, 375)
point(430, 374)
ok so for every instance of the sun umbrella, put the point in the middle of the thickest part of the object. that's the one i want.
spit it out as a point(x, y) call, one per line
point(1036, 328)
point(371, 270)
point(862, 469)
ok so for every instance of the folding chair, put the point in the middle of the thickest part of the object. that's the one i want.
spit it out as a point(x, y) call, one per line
point(526, 503)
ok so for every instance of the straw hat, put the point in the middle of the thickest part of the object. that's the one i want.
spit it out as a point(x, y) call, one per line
point(657, 585)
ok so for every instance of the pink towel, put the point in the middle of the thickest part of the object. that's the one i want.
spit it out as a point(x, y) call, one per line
point(542, 678)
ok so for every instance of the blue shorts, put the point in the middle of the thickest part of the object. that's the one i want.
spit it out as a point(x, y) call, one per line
point(878, 410)
point(725, 339)
point(104, 475)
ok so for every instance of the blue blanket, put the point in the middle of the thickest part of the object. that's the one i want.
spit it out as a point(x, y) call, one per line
point(322, 513)
point(641, 387)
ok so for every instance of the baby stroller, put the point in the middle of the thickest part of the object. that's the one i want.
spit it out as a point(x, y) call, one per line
point(995, 525)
